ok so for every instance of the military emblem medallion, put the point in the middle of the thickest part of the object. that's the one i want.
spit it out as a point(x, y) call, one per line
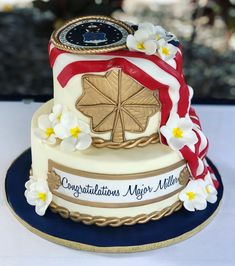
point(92, 34)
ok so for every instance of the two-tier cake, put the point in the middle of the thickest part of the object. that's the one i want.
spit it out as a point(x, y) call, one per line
point(119, 144)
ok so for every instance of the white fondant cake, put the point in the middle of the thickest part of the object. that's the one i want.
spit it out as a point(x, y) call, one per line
point(119, 144)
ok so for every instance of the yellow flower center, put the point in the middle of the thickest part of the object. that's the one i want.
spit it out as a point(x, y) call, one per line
point(59, 117)
point(75, 132)
point(178, 133)
point(49, 131)
point(42, 196)
point(140, 46)
point(208, 190)
point(191, 195)
point(165, 51)
point(157, 37)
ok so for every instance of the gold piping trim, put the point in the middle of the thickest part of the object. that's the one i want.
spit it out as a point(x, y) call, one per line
point(128, 144)
point(52, 164)
point(116, 205)
point(113, 221)
point(55, 40)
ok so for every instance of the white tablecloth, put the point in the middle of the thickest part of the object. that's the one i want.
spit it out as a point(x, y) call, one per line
point(215, 245)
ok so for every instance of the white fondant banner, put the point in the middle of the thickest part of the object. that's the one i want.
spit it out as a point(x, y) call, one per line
point(117, 190)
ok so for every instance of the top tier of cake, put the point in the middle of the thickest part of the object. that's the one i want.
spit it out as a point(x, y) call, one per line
point(115, 90)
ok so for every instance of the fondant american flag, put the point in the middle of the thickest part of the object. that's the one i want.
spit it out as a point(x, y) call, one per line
point(152, 72)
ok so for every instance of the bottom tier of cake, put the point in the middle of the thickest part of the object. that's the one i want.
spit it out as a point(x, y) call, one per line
point(110, 187)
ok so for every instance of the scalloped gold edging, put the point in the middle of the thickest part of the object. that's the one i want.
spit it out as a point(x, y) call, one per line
point(115, 249)
point(139, 142)
point(55, 40)
point(113, 221)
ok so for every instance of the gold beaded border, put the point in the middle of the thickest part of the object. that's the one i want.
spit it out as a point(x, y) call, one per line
point(114, 221)
point(55, 40)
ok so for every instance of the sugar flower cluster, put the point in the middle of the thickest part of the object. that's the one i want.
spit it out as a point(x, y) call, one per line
point(151, 39)
point(197, 193)
point(179, 132)
point(64, 128)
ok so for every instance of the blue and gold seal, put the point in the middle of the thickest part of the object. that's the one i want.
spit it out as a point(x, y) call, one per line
point(92, 34)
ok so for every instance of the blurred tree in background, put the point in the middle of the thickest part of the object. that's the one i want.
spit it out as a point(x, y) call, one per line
point(67, 9)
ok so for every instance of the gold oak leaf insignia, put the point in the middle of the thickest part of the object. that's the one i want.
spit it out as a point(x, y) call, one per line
point(115, 102)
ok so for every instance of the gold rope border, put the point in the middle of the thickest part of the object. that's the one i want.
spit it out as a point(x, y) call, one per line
point(113, 221)
point(139, 142)
point(115, 249)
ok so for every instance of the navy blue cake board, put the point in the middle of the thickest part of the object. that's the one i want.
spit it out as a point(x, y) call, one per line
point(140, 237)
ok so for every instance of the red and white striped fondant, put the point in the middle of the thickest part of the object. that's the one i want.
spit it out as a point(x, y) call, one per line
point(155, 74)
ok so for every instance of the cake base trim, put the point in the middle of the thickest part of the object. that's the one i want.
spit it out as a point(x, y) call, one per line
point(140, 237)
point(113, 221)
point(115, 249)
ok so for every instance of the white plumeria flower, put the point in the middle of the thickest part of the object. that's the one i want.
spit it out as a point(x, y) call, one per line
point(160, 33)
point(179, 132)
point(193, 195)
point(31, 180)
point(166, 50)
point(149, 28)
point(141, 41)
point(155, 32)
point(38, 194)
point(210, 189)
point(45, 131)
point(56, 114)
point(75, 134)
